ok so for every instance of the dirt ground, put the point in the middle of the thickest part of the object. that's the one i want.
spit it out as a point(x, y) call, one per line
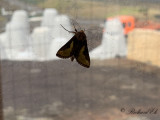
point(64, 90)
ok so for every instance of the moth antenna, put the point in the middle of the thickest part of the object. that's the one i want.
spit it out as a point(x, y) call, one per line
point(77, 24)
point(86, 30)
point(93, 29)
point(68, 30)
point(74, 26)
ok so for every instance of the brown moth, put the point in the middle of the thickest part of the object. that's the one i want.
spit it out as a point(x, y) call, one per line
point(76, 48)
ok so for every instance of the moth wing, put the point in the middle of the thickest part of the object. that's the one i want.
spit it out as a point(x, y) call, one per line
point(83, 56)
point(66, 51)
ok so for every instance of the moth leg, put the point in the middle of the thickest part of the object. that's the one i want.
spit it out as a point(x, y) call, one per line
point(68, 30)
point(72, 58)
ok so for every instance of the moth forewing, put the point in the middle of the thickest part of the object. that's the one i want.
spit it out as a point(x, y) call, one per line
point(66, 51)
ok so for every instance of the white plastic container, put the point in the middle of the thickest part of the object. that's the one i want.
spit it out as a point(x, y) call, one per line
point(113, 42)
point(41, 42)
point(48, 18)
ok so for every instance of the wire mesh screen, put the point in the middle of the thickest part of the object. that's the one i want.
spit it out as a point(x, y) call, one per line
point(122, 82)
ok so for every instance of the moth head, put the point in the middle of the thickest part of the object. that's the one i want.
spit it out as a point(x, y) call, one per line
point(81, 35)
point(82, 31)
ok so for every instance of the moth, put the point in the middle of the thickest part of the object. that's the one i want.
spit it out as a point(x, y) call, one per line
point(76, 48)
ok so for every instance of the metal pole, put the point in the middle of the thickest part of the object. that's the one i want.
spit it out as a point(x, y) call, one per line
point(1, 100)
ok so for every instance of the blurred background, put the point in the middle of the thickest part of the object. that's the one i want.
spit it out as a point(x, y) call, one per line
point(123, 39)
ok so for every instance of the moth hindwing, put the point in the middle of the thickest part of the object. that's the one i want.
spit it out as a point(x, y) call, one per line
point(77, 48)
